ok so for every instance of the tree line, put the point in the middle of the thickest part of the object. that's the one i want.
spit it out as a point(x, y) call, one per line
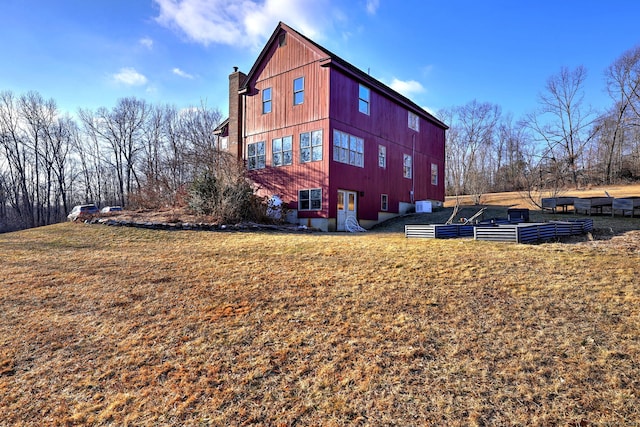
point(136, 154)
point(563, 143)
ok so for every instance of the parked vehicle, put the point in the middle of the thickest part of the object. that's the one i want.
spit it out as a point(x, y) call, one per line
point(82, 212)
point(109, 209)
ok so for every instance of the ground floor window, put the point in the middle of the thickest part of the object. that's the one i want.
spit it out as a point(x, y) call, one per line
point(256, 157)
point(384, 202)
point(310, 200)
point(434, 174)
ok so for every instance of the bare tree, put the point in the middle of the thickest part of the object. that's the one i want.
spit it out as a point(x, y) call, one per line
point(563, 123)
point(121, 129)
point(469, 147)
point(18, 159)
point(511, 149)
point(623, 85)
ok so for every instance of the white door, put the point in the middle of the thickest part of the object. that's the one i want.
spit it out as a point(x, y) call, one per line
point(347, 206)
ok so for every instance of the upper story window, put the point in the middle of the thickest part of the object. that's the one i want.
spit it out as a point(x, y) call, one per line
point(363, 99)
point(256, 158)
point(311, 146)
point(407, 166)
point(382, 156)
point(282, 151)
point(298, 91)
point(434, 174)
point(348, 149)
point(266, 100)
point(414, 121)
point(282, 39)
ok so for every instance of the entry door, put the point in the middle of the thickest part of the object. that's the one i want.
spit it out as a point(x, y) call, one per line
point(347, 206)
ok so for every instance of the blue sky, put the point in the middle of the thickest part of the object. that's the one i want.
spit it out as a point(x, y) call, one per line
point(89, 53)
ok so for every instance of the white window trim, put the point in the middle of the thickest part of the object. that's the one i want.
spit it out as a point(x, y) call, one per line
point(382, 156)
point(295, 92)
point(407, 169)
point(311, 146)
point(281, 151)
point(268, 101)
point(366, 101)
point(310, 208)
point(413, 121)
point(353, 157)
point(257, 156)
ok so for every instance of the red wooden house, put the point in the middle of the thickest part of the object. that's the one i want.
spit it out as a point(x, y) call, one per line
point(330, 140)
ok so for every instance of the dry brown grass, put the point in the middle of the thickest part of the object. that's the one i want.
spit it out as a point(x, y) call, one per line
point(118, 326)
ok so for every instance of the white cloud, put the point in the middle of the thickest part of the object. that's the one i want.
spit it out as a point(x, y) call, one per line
point(408, 88)
point(146, 42)
point(242, 22)
point(179, 72)
point(130, 76)
point(372, 6)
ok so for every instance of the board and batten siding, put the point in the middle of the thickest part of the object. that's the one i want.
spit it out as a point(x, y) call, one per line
point(283, 65)
point(387, 125)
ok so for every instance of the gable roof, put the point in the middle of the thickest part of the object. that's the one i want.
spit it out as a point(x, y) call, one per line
point(337, 62)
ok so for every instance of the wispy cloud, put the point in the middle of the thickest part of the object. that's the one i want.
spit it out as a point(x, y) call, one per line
point(408, 88)
point(183, 74)
point(130, 77)
point(245, 23)
point(146, 42)
point(372, 6)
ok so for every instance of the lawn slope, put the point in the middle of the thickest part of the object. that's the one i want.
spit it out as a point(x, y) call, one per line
point(117, 326)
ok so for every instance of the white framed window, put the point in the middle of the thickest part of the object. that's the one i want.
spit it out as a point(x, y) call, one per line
point(282, 151)
point(256, 158)
point(434, 174)
point(298, 91)
point(311, 146)
point(310, 200)
point(266, 100)
point(414, 121)
point(363, 99)
point(384, 202)
point(348, 149)
point(407, 166)
point(382, 156)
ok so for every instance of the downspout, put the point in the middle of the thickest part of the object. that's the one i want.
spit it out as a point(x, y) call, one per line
point(413, 167)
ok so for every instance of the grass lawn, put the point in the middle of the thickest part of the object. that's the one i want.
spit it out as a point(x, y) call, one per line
point(119, 326)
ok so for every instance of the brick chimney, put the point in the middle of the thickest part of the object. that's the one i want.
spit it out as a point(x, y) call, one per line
point(236, 79)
